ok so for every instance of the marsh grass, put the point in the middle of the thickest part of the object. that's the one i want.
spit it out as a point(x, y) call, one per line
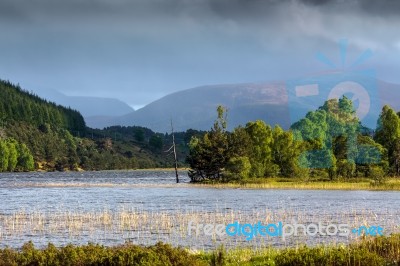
point(148, 227)
point(390, 184)
point(286, 183)
point(367, 251)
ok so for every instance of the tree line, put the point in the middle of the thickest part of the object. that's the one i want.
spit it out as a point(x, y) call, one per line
point(329, 142)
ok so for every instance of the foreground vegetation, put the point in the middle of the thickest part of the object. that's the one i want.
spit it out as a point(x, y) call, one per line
point(371, 251)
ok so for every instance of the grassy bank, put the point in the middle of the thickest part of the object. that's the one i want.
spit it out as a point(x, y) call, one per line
point(371, 251)
point(286, 183)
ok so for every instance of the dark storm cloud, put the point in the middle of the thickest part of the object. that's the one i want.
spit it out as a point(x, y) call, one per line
point(264, 7)
point(384, 7)
point(373, 7)
point(152, 8)
point(138, 50)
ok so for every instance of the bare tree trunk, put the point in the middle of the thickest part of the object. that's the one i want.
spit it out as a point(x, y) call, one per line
point(174, 149)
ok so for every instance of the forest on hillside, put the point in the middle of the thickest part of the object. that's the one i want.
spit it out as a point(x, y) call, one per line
point(37, 134)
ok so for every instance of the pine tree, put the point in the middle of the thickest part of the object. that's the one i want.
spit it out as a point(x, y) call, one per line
point(388, 134)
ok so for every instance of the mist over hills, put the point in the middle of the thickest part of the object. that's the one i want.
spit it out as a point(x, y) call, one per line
point(88, 106)
point(196, 108)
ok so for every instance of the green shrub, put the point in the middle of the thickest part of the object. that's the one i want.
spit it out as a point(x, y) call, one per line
point(218, 257)
point(383, 250)
point(91, 254)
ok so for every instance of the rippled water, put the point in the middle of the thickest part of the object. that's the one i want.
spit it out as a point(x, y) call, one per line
point(144, 207)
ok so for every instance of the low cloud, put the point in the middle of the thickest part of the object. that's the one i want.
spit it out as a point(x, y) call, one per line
point(123, 47)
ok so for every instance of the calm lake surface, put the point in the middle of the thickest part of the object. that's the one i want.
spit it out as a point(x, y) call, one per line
point(112, 207)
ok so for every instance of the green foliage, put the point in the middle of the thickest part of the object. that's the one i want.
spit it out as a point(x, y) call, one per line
point(334, 141)
point(377, 175)
point(383, 250)
point(218, 257)
point(25, 159)
point(58, 149)
point(332, 256)
point(15, 156)
point(52, 137)
point(345, 168)
point(253, 151)
point(260, 155)
point(285, 153)
point(388, 135)
point(209, 155)
point(91, 254)
point(328, 142)
point(238, 168)
point(12, 154)
point(19, 105)
point(4, 154)
point(156, 142)
point(139, 134)
point(388, 129)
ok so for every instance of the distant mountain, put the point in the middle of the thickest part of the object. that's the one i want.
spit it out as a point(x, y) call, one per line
point(88, 106)
point(196, 108)
point(102, 121)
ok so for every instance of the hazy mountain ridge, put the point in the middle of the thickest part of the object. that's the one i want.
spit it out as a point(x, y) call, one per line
point(195, 108)
point(88, 105)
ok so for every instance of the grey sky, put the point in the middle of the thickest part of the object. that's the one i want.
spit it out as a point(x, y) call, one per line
point(140, 50)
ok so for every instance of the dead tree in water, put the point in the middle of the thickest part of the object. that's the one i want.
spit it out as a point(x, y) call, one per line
point(173, 148)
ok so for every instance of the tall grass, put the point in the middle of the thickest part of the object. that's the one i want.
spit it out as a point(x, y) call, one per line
point(276, 183)
point(148, 227)
point(369, 251)
point(259, 183)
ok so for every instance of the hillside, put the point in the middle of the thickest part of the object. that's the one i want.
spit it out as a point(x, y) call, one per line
point(37, 134)
point(87, 106)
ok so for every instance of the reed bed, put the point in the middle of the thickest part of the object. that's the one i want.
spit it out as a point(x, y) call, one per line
point(103, 184)
point(146, 227)
point(391, 184)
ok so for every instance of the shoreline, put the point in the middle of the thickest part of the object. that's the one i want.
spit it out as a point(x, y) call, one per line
point(361, 184)
point(136, 169)
point(392, 184)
